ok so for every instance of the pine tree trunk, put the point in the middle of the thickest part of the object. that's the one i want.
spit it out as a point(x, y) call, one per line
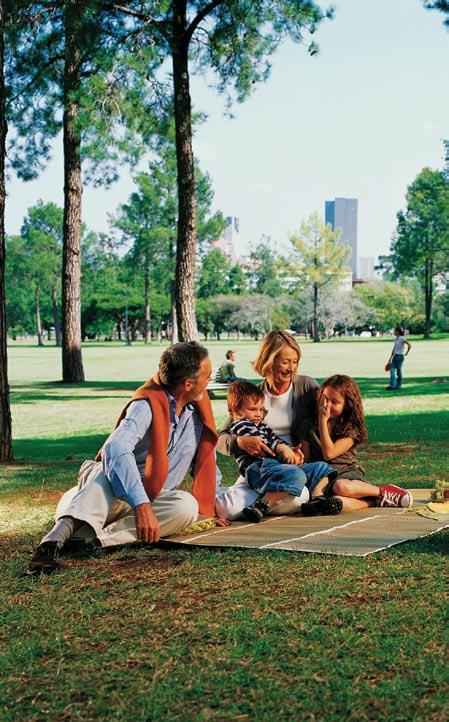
point(174, 338)
point(72, 364)
point(6, 453)
point(185, 255)
point(57, 325)
point(428, 279)
point(316, 336)
point(37, 308)
point(147, 322)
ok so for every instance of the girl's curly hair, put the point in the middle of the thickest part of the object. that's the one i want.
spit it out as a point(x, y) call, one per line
point(352, 421)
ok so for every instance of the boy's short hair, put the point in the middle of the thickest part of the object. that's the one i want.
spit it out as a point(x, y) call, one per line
point(229, 353)
point(239, 391)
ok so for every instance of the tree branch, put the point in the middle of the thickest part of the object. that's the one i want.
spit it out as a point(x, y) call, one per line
point(146, 17)
point(48, 64)
point(200, 17)
point(127, 11)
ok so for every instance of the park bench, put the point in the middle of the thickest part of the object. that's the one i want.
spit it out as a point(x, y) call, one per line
point(215, 386)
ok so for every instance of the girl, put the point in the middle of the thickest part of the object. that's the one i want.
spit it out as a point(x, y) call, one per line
point(334, 437)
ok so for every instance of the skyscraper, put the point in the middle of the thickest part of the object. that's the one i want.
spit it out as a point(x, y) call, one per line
point(342, 213)
point(366, 270)
point(229, 242)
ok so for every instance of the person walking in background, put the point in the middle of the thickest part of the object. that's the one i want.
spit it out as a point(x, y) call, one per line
point(226, 372)
point(397, 358)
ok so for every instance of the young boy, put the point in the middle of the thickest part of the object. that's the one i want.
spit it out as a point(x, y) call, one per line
point(397, 358)
point(273, 478)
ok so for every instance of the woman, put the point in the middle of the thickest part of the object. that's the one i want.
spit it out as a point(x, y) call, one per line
point(289, 400)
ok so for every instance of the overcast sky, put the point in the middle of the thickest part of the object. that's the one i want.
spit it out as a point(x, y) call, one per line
point(360, 119)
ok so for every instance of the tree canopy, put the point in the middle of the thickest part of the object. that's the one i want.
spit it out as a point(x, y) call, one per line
point(420, 247)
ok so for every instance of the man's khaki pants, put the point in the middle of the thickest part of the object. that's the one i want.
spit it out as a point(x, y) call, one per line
point(110, 519)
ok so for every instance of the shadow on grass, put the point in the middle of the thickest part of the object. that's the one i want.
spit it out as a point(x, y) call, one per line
point(32, 393)
point(426, 386)
point(48, 450)
point(370, 388)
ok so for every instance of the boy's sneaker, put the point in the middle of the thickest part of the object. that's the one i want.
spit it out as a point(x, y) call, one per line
point(43, 560)
point(256, 511)
point(322, 505)
point(394, 496)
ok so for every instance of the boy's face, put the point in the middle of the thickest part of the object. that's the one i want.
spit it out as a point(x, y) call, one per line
point(251, 409)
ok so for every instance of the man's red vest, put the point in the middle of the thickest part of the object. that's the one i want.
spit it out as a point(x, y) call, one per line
point(156, 464)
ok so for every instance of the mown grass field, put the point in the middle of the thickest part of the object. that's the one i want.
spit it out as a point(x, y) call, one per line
point(158, 634)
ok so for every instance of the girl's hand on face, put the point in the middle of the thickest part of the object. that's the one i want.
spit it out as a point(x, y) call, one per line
point(324, 408)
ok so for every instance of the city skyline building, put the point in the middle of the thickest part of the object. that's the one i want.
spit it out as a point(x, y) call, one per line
point(341, 213)
point(366, 270)
point(229, 241)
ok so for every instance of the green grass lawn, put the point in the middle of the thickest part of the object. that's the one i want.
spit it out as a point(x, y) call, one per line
point(158, 634)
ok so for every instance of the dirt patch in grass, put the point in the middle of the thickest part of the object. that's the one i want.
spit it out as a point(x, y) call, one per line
point(391, 449)
point(40, 498)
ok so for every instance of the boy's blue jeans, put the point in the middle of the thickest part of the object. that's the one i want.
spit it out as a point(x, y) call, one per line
point(396, 366)
point(272, 475)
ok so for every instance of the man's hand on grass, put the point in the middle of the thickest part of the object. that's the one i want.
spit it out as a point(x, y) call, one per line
point(147, 525)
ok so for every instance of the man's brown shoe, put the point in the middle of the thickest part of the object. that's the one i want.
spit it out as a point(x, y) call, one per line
point(43, 560)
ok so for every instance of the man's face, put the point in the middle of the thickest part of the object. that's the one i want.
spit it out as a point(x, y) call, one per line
point(199, 384)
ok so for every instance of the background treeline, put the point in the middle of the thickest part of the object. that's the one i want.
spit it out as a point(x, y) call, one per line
point(128, 274)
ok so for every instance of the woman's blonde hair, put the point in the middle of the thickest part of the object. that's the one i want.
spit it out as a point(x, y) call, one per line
point(271, 346)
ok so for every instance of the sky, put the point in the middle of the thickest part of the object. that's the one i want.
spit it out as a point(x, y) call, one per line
point(359, 120)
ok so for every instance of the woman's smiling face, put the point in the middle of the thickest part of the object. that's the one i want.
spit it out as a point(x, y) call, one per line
point(285, 366)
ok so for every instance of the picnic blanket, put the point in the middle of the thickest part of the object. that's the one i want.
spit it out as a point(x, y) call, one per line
point(357, 533)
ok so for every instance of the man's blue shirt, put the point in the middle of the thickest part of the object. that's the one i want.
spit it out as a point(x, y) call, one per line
point(119, 460)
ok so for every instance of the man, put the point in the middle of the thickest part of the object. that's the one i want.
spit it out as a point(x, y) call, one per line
point(226, 372)
point(131, 491)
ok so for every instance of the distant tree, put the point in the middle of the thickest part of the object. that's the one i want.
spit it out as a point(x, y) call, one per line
point(213, 275)
point(265, 273)
point(42, 235)
point(6, 452)
point(318, 259)
point(300, 308)
point(142, 223)
point(205, 316)
point(254, 315)
point(215, 314)
point(387, 304)
point(20, 316)
point(420, 247)
point(238, 280)
point(341, 310)
point(442, 312)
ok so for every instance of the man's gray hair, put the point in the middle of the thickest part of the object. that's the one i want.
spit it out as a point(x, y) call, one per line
point(180, 362)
